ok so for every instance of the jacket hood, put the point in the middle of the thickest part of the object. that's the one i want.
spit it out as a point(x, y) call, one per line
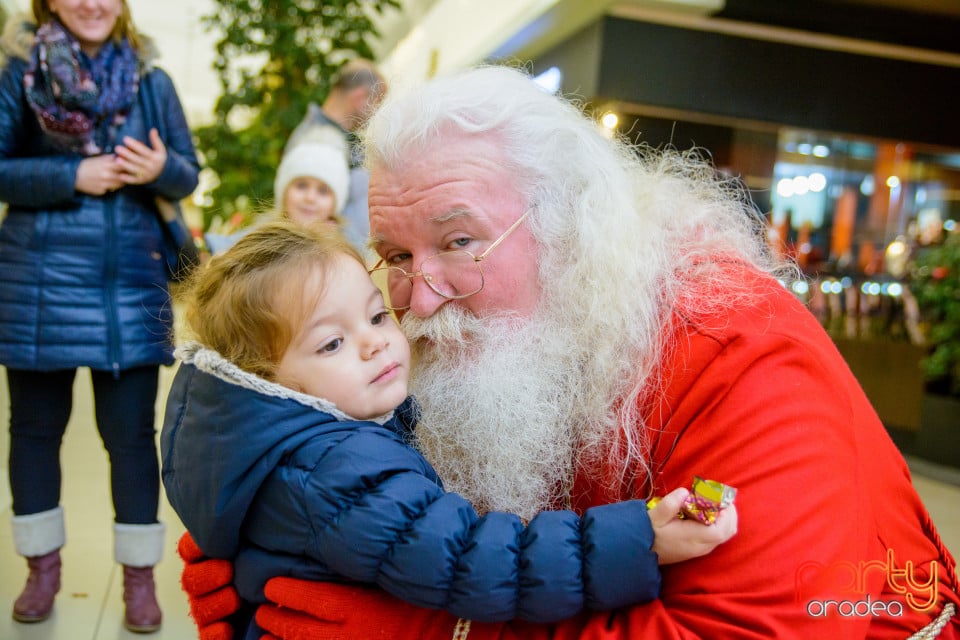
point(20, 31)
point(225, 430)
point(209, 361)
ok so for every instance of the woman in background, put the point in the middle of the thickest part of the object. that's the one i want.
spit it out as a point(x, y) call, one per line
point(82, 279)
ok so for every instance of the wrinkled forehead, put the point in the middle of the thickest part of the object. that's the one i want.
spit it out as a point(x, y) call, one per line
point(453, 160)
point(453, 182)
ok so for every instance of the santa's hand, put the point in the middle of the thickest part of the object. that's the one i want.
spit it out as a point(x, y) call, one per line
point(328, 611)
point(210, 591)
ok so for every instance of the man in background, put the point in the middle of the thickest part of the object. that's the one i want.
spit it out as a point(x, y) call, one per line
point(355, 94)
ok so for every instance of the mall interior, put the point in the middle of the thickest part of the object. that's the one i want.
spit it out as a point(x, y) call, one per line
point(838, 117)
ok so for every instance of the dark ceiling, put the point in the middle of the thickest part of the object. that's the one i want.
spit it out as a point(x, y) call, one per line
point(927, 24)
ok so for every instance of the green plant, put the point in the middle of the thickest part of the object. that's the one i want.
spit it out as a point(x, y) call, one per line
point(935, 281)
point(273, 59)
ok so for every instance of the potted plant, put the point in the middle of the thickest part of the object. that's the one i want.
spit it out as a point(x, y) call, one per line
point(935, 282)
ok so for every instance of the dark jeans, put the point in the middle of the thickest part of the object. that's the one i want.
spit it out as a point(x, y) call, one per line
point(40, 405)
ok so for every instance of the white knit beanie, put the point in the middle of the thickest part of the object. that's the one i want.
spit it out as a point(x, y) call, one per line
point(320, 161)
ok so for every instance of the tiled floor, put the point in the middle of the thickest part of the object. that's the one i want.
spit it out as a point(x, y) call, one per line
point(89, 606)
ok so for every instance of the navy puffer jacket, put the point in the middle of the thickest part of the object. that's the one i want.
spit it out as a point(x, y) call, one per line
point(285, 484)
point(82, 282)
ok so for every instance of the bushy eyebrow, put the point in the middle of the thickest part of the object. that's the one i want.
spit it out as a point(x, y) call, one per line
point(451, 215)
point(378, 240)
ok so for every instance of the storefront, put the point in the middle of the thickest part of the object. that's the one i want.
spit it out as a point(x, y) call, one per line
point(854, 157)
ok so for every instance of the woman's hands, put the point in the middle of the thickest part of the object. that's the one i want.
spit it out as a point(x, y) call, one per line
point(132, 163)
point(140, 163)
point(98, 175)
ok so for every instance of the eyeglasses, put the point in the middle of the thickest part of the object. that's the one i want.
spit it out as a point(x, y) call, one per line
point(455, 275)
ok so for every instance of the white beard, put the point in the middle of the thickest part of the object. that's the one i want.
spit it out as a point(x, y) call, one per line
point(500, 415)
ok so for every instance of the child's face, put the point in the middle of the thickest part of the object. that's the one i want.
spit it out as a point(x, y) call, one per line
point(308, 200)
point(349, 350)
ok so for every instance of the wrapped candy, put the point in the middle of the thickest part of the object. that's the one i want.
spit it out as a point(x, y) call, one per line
point(706, 499)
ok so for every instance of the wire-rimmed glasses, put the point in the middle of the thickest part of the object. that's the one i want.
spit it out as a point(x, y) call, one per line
point(452, 274)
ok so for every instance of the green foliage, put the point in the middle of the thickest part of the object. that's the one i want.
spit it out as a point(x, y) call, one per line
point(936, 285)
point(273, 59)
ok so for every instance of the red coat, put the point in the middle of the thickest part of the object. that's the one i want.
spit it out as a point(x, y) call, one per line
point(763, 401)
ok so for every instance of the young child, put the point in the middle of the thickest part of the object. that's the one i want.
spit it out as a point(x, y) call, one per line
point(285, 448)
point(312, 183)
point(311, 186)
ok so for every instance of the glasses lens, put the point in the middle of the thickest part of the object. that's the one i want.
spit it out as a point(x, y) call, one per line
point(398, 286)
point(453, 274)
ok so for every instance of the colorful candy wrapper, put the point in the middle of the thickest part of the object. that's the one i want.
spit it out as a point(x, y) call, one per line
point(706, 500)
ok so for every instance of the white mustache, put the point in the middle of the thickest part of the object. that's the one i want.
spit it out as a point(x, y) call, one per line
point(449, 325)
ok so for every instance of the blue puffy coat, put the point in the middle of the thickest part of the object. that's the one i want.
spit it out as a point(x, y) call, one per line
point(286, 484)
point(82, 282)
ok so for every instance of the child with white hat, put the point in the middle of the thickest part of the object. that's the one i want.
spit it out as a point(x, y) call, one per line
point(311, 185)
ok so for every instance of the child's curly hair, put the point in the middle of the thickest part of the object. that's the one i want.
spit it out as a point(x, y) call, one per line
point(248, 303)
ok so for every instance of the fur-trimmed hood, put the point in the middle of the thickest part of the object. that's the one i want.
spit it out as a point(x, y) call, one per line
point(20, 31)
point(226, 431)
point(209, 361)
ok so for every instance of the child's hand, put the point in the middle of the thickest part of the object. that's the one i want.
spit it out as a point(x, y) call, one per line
point(676, 539)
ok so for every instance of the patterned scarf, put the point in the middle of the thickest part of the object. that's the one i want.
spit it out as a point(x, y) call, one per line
point(80, 102)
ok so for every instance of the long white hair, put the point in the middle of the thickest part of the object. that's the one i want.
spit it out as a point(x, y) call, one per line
point(628, 236)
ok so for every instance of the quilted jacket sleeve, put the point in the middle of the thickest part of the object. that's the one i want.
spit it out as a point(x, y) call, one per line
point(181, 172)
point(389, 522)
point(28, 181)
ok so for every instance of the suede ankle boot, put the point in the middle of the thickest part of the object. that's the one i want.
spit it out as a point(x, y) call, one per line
point(139, 595)
point(36, 601)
